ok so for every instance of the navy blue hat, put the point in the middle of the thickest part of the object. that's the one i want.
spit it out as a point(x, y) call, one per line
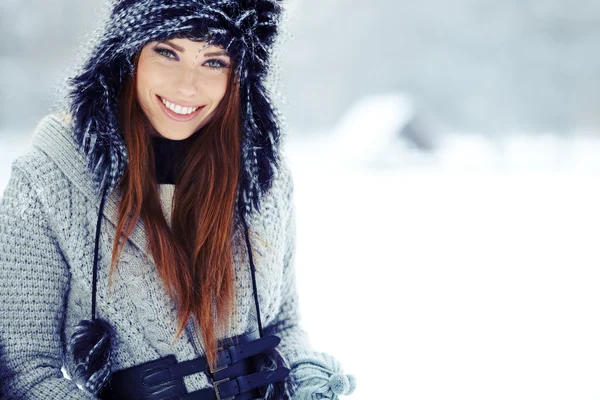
point(246, 29)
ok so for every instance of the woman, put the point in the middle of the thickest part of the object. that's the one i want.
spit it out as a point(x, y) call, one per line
point(160, 201)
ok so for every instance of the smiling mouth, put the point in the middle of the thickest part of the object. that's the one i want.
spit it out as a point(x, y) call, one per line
point(178, 108)
point(177, 112)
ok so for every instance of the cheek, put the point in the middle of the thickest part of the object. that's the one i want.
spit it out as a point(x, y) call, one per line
point(218, 89)
point(149, 77)
point(141, 79)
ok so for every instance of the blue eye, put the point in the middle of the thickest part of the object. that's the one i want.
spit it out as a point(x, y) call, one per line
point(219, 64)
point(162, 52)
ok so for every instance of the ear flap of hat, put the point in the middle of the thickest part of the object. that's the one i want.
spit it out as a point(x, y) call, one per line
point(93, 97)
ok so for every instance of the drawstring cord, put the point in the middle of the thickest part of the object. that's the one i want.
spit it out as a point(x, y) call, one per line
point(252, 270)
point(95, 270)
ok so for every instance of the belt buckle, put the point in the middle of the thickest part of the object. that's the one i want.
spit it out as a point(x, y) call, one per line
point(216, 387)
point(212, 371)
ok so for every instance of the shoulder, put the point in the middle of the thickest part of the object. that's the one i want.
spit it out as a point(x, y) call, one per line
point(52, 170)
point(285, 181)
point(54, 154)
point(38, 194)
point(39, 161)
point(280, 193)
point(276, 206)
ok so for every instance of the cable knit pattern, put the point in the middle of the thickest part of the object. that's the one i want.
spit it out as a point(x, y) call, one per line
point(47, 224)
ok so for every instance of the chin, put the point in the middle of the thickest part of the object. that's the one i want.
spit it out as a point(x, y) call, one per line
point(174, 135)
point(169, 130)
point(174, 130)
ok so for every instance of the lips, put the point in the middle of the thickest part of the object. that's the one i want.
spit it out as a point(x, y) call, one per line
point(178, 117)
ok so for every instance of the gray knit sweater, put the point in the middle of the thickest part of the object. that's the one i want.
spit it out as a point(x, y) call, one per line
point(48, 217)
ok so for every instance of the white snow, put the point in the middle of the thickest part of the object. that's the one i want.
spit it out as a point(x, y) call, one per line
point(446, 286)
point(370, 124)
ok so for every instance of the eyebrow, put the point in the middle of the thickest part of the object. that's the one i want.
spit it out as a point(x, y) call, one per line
point(181, 49)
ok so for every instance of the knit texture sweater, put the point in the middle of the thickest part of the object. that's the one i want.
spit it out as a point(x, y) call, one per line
point(48, 215)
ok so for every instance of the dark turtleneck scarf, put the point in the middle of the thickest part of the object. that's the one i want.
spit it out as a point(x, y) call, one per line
point(168, 157)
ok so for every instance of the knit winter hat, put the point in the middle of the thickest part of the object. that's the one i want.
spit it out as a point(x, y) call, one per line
point(246, 29)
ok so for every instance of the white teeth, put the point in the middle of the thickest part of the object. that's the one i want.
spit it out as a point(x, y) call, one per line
point(177, 108)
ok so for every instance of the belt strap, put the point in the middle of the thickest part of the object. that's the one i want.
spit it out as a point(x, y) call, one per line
point(234, 378)
point(241, 384)
point(226, 357)
point(238, 352)
point(238, 388)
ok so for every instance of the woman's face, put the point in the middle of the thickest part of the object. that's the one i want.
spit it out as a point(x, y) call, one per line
point(190, 77)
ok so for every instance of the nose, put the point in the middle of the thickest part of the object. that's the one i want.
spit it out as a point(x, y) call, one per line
point(189, 83)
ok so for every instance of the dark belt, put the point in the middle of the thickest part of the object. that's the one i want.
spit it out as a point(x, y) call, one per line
point(235, 377)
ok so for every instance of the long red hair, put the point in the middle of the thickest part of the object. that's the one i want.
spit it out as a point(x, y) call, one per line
point(194, 258)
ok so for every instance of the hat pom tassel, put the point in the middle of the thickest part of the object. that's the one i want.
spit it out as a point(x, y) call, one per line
point(272, 359)
point(91, 346)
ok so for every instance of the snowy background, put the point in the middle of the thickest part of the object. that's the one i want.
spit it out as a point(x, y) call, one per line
point(446, 163)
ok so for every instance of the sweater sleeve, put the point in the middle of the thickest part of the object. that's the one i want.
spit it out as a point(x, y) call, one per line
point(34, 280)
point(316, 375)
